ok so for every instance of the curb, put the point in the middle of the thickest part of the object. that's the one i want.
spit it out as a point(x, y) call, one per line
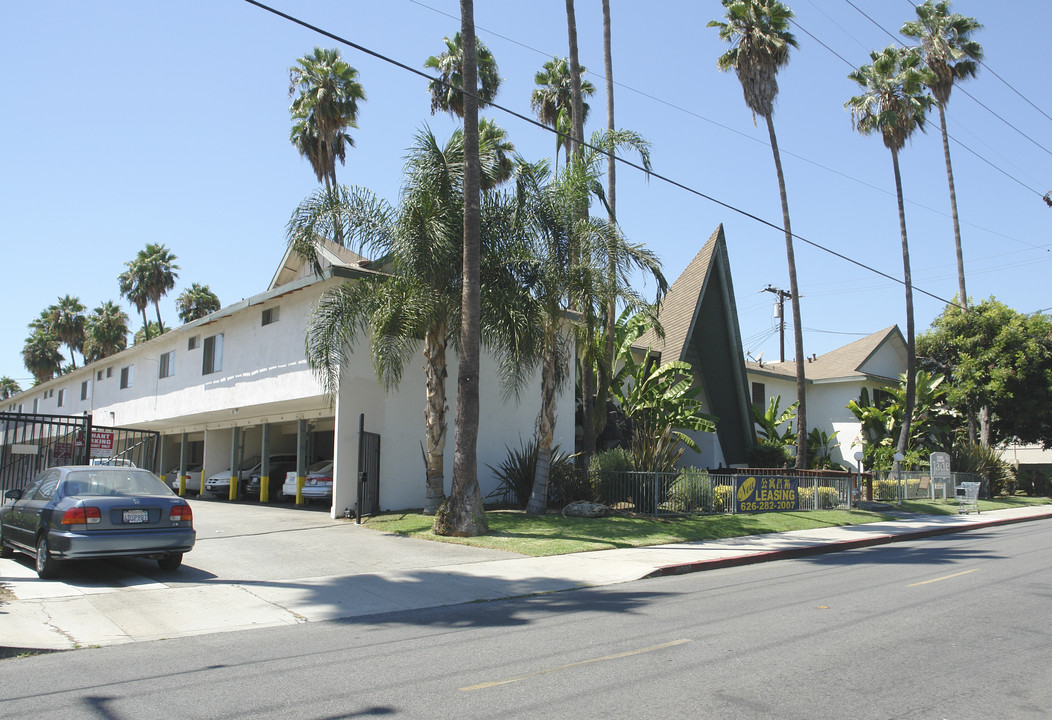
point(761, 557)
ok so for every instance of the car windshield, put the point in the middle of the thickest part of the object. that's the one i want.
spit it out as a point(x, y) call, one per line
point(321, 468)
point(113, 481)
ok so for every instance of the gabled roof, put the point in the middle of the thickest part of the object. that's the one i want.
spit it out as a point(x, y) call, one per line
point(853, 361)
point(330, 254)
point(700, 320)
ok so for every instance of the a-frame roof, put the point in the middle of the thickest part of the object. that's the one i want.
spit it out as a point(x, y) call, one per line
point(330, 254)
point(700, 321)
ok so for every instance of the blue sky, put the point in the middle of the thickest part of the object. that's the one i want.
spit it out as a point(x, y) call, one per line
point(167, 121)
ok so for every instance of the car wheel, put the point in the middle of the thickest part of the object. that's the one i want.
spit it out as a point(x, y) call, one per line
point(47, 566)
point(170, 562)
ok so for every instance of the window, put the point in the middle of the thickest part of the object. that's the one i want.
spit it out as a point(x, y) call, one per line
point(194, 342)
point(167, 364)
point(35, 401)
point(61, 397)
point(759, 399)
point(882, 398)
point(98, 376)
point(270, 315)
point(109, 372)
point(126, 376)
point(84, 390)
point(213, 354)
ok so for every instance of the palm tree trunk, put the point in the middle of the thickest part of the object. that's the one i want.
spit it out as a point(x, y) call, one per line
point(157, 307)
point(145, 324)
point(463, 514)
point(911, 347)
point(953, 210)
point(435, 418)
point(794, 292)
point(545, 430)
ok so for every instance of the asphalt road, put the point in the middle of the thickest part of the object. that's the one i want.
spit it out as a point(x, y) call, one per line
point(950, 627)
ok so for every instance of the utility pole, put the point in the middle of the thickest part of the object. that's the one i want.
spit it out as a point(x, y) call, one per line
point(782, 295)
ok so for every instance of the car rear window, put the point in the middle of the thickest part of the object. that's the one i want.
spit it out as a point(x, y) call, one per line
point(108, 481)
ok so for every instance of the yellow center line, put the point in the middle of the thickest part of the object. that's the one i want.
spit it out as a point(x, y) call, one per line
point(517, 678)
point(944, 577)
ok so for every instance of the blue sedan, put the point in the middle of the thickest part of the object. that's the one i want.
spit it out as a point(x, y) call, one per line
point(81, 512)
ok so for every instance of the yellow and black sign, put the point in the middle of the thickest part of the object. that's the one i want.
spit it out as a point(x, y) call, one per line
point(766, 494)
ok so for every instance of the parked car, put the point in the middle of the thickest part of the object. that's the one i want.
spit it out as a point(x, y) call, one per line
point(83, 511)
point(317, 484)
point(193, 478)
point(219, 483)
point(117, 461)
point(280, 465)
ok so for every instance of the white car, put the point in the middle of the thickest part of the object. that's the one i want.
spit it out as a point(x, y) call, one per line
point(316, 486)
point(219, 483)
point(193, 478)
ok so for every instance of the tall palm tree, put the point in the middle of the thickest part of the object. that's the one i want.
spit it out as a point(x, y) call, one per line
point(758, 32)
point(417, 303)
point(950, 56)
point(106, 332)
point(67, 323)
point(8, 387)
point(446, 92)
point(610, 320)
point(133, 288)
point(41, 357)
point(894, 104)
point(158, 268)
point(196, 302)
point(325, 94)
point(552, 102)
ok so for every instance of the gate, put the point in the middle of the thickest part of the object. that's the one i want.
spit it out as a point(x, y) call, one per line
point(30, 443)
point(368, 471)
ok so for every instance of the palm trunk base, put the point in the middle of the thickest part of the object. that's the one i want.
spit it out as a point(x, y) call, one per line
point(461, 515)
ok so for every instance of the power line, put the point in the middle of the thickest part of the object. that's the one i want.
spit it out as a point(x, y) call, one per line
point(636, 166)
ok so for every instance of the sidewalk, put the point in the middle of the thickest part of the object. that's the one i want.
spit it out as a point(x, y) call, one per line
point(56, 615)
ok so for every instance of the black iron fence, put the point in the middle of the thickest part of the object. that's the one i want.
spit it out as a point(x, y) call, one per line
point(30, 443)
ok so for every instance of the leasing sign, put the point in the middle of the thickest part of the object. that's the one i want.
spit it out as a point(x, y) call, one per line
point(765, 494)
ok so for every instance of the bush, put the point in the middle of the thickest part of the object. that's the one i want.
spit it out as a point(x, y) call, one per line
point(828, 497)
point(1034, 483)
point(769, 454)
point(601, 473)
point(722, 498)
point(517, 472)
point(690, 492)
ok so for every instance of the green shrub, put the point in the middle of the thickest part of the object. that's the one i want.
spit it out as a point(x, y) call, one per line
point(828, 497)
point(690, 492)
point(768, 454)
point(888, 488)
point(601, 472)
point(518, 470)
point(1034, 483)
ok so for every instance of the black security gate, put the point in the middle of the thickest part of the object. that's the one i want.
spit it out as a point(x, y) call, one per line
point(368, 471)
point(30, 442)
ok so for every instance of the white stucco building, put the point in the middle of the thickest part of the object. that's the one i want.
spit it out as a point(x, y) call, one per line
point(241, 372)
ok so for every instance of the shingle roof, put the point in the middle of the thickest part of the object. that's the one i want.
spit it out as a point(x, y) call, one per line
point(844, 362)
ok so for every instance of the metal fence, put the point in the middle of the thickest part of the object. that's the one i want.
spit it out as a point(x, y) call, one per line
point(700, 492)
point(30, 443)
point(918, 485)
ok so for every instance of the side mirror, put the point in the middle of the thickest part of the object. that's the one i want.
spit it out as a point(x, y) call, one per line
point(13, 494)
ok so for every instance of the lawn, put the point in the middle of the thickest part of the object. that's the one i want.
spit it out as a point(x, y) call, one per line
point(553, 534)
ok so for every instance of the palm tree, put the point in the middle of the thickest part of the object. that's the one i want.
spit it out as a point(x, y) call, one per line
point(196, 302)
point(951, 56)
point(758, 32)
point(417, 303)
point(106, 331)
point(157, 265)
point(552, 102)
point(41, 357)
point(8, 387)
point(153, 330)
point(446, 92)
point(325, 106)
point(133, 288)
point(894, 104)
point(610, 347)
point(67, 323)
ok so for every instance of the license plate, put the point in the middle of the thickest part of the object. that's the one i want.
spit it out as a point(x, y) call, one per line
point(136, 516)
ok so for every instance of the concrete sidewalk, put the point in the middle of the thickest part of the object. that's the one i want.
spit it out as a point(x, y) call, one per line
point(130, 607)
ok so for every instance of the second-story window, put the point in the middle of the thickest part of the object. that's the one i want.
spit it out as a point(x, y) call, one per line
point(167, 364)
point(213, 354)
point(126, 376)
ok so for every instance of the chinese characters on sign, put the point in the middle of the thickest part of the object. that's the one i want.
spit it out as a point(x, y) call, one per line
point(766, 494)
